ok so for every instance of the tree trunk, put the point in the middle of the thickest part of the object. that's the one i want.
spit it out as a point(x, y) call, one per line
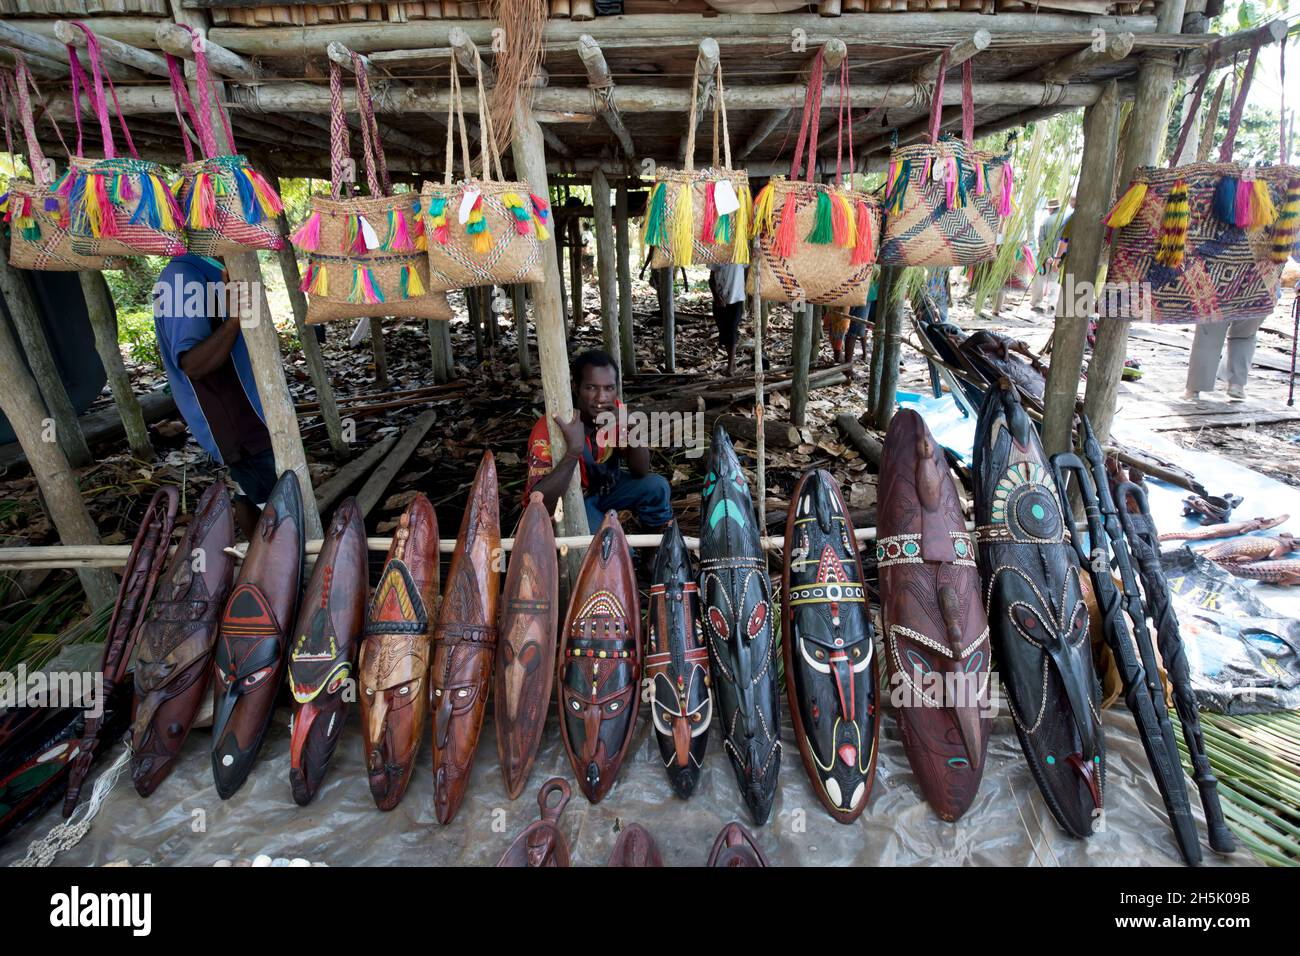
point(103, 319)
point(622, 249)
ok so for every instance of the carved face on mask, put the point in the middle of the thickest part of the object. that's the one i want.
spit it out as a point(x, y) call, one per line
point(1037, 615)
point(600, 657)
point(829, 660)
point(464, 643)
point(394, 659)
point(936, 632)
point(677, 664)
point(525, 668)
point(254, 630)
point(178, 638)
point(323, 647)
point(736, 596)
point(542, 844)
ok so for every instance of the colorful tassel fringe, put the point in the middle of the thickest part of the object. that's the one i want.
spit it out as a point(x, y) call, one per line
point(823, 231)
point(1286, 225)
point(307, 236)
point(541, 213)
point(655, 233)
point(1123, 212)
point(1173, 227)
point(709, 221)
point(476, 228)
point(437, 226)
point(365, 290)
point(742, 227)
point(1004, 205)
point(683, 219)
point(409, 283)
point(523, 220)
point(783, 241)
point(763, 209)
point(1244, 203)
point(319, 284)
point(864, 249)
point(896, 185)
point(398, 238)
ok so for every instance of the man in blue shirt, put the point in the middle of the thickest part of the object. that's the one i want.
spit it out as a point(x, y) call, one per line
point(211, 376)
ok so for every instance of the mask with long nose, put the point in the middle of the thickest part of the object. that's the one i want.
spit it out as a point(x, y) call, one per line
point(1037, 616)
point(829, 660)
point(394, 659)
point(677, 664)
point(735, 594)
point(600, 662)
point(936, 632)
point(250, 654)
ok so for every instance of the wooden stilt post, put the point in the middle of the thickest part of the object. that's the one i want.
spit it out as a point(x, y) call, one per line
point(561, 235)
point(472, 304)
point(103, 320)
point(883, 294)
point(818, 313)
point(1146, 133)
point(311, 350)
point(1082, 263)
point(31, 333)
point(889, 314)
point(622, 250)
point(521, 331)
point(488, 296)
point(606, 271)
point(668, 311)
point(760, 451)
point(529, 154)
point(800, 359)
point(575, 273)
point(377, 349)
point(440, 350)
point(21, 402)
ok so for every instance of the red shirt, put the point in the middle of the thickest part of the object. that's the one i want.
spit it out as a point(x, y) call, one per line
point(541, 461)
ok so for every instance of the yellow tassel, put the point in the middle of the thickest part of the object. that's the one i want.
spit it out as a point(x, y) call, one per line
point(763, 209)
point(1173, 227)
point(542, 233)
point(320, 282)
point(481, 242)
point(1122, 213)
point(851, 234)
point(1264, 212)
point(683, 219)
point(740, 239)
point(414, 286)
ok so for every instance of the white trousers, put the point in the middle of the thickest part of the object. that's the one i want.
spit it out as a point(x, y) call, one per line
point(1207, 347)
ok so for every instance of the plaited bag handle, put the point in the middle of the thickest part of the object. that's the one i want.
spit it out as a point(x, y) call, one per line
point(376, 168)
point(489, 133)
point(846, 109)
point(1234, 120)
point(7, 98)
point(967, 105)
point(720, 113)
point(101, 104)
point(812, 106)
point(936, 101)
point(184, 106)
point(26, 81)
point(339, 140)
point(456, 115)
point(23, 104)
point(202, 116)
point(1198, 93)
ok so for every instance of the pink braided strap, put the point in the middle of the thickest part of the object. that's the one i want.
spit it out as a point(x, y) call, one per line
point(339, 140)
point(181, 101)
point(1234, 120)
point(936, 102)
point(968, 104)
point(812, 111)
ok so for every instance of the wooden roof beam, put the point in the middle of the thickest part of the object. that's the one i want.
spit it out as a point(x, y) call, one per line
point(601, 84)
point(958, 54)
point(1061, 71)
point(1231, 45)
point(146, 61)
point(706, 62)
point(176, 40)
point(43, 46)
point(833, 51)
point(41, 67)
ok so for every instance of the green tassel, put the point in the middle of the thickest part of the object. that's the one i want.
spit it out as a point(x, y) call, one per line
point(823, 231)
point(655, 234)
point(31, 233)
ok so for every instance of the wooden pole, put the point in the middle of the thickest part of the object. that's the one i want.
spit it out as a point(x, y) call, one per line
point(1146, 134)
point(606, 271)
point(103, 320)
point(311, 350)
point(889, 313)
point(622, 250)
point(529, 153)
point(575, 273)
point(668, 311)
point(440, 350)
point(801, 359)
point(1082, 265)
point(35, 345)
point(884, 292)
point(561, 235)
point(20, 400)
point(601, 84)
point(760, 438)
point(146, 61)
point(378, 351)
point(521, 330)
point(474, 306)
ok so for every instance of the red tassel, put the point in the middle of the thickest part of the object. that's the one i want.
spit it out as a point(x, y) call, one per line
point(865, 250)
point(783, 241)
point(710, 213)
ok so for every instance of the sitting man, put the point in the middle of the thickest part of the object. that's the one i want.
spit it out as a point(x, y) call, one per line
point(598, 454)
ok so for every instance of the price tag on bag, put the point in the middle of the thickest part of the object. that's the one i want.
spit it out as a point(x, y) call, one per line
point(724, 197)
point(49, 169)
point(368, 234)
point(467, 200)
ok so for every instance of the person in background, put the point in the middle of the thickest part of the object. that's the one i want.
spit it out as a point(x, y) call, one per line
point(727, 283)
point(1207, 347)
point(598, 453)
point(1053, 240)
point(835, 323)
point(211, 377)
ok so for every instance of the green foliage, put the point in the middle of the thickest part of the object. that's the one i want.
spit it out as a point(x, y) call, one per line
point(135, 329)
point(132, 286)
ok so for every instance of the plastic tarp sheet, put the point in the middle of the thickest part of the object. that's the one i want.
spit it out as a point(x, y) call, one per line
point(185, 823)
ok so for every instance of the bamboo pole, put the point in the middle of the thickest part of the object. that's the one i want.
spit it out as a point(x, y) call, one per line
point(311, 350)
point(146, 61)
point(444, 368)
point(884, 293)
point(1082, 265)
point(103, 320)
point(36, 346)
point(60, 496)
point(575, 273)
point(606, 271)
point(1146, 134)
point(529, 154)
point(48, 48)
point(668, 311)
point(622, 250)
